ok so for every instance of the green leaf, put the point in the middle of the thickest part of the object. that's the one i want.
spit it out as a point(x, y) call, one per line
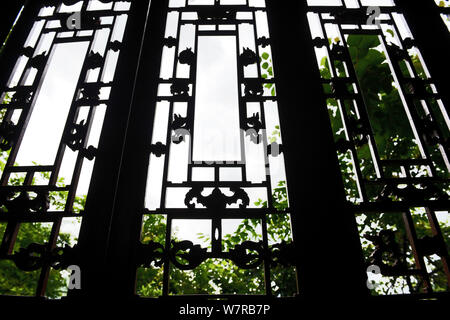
point(265, 56)
point(391, 32)
point(265, 65)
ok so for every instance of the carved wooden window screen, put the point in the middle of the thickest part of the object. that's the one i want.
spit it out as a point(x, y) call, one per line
point(403, 185)
point(53, 106)
point(186, 186)
point(192, 180)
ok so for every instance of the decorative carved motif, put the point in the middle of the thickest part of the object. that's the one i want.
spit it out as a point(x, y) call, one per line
point(23, 203)
point(187, 57)
point(185, 255)
point(263, 41)
point(36, 256)
point(151, 253)
point(7, 134)
point(216, 200)
point(31, 258)
point(64, 257)
point(412, 193)
point(75, 135)
point(170, 42)
point(338, 52)
point(74, 138)
point(89, 153)
point(94, 60)
point(186, 251)
point(396, 53)
point(158, 149)
point(253, 88)
point(28, 52)
point(319, 42)
point(115, 45)
point(180, 126)
point(180, 87)
point(248, 57)
point(252, 126)
point(39, 61)
point(91, 93)
point(22, 95)
point(241, 254)
point(253, 122)
point(179, 122)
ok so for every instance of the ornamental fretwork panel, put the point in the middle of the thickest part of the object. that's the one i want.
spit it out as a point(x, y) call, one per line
point(216, 162)
point(391, 131)
point(160, 129)
point(52, 110)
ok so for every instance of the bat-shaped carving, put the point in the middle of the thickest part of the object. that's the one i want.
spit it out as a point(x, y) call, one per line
point(216, 200)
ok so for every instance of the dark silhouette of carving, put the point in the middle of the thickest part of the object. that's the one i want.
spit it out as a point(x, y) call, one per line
point(23, 203)
point(216, 200)
point(7, 134)
point(248, 57)
point(187, 57)
point(253, 88)
point(180, 87)
point(94, 60)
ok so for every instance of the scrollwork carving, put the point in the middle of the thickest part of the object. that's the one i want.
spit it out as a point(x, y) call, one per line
point(35, 256)
point(253, 88)
point(180, 87)
point(241, 254)
point(216, 200)
point(158, 149)
point(412, 193)
point(187, 57)
point(94, 60)
point(24, 204)
point(248, 57)
point(186, 251)
point(151, 253)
